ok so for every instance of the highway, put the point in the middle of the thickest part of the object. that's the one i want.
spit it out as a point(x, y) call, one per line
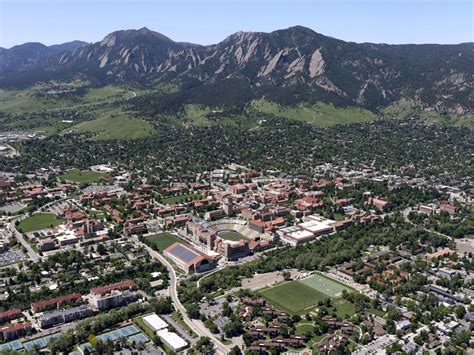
point(195, 324)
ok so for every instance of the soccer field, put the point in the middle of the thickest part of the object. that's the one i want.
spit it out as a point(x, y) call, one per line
point(293, 297)
point(326, 285)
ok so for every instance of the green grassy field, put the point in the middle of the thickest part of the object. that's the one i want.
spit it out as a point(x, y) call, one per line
point(164, 240)
point(85, 176)
point(343, 308)
point(35, 99)
point(319, 115)
point(179, 199)
point(305, 328)
point(325, 285)
point(115, 127)
point(39, 221)
point(231, 235)
point(293, 297)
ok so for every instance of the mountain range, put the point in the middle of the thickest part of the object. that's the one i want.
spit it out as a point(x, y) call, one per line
point(292, 64)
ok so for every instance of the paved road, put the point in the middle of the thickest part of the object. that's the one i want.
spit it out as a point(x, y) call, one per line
point(34, 256)
point(195, 324)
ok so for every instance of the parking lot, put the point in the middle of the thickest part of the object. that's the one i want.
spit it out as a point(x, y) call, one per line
point(11, 256)
point(13, 207)
point(214, 308)
point(377, 345)
point(58, 208)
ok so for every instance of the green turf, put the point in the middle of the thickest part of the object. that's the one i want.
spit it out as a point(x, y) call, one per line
point(319, 115)
point(164, 240)
point(112, 127)
point(293, 297)
point(323, 284)
point(231, 235)
point(85, 176)
point(39, 221)
point(179, 199)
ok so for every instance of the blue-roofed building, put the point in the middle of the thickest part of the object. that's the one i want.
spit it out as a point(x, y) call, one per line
point(189, 259)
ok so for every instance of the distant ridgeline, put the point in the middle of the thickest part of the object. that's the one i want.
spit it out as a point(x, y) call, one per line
point(286, 66)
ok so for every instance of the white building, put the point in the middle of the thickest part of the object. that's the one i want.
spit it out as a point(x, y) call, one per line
point(172, 340)
point(155, 322)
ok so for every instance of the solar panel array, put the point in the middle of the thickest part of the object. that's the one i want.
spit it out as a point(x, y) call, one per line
point(183, 253)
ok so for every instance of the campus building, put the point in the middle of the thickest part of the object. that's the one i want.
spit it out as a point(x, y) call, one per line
point(57, 302)
point(112, 299)
point(189, 259)
point(64, 316)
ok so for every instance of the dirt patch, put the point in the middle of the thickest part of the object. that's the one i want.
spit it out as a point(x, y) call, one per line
point(259, 281)
point(464, 245)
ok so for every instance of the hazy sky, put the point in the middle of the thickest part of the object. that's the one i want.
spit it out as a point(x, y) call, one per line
point(210, 21)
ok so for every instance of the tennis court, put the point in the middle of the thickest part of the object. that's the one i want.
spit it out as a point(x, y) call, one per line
point(119, 333)
point(138, 338)
point(17, 345)
point(326, 285)
point(14, 345)
point(132, 332)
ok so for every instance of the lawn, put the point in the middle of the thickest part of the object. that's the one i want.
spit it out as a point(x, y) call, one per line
point(112, 127)
point(319, 115)
point(343, 308)
point(179, 199)
point(323, 284)
point(305, 328)
point(231, 235)
point(293, 297)
point(164, 240)
point(85, 176)
point(39, 221)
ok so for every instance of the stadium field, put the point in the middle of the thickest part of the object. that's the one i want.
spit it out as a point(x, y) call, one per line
point(293, 297)
point(326, 285)
point(231, 235)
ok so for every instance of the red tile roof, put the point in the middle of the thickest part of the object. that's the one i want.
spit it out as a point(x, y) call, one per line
point(125, 284)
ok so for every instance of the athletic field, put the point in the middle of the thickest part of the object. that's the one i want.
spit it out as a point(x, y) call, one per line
point(231, 235)
point(299, 296)
point(162, 241)
point(326, 285)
